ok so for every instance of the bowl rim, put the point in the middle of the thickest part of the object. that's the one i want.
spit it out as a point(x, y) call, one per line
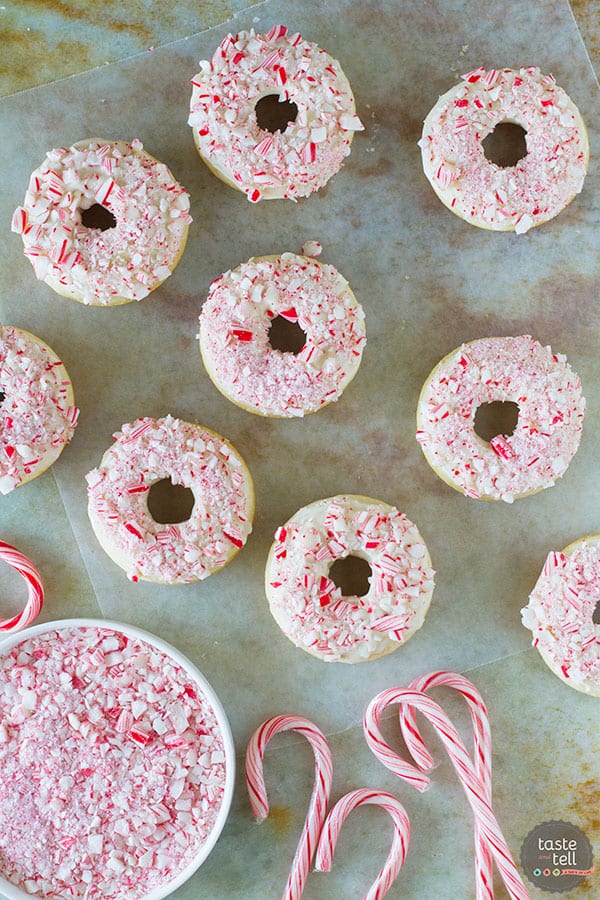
point(10, 890)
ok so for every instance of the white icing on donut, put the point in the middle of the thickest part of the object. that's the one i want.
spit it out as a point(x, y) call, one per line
point(116, 265)
point(560, 614)
point(38, 414)
point(512, 198)
point(548, 430)
point(265, 165)
point(308, 606)
point(234, 335)
point(148, 451)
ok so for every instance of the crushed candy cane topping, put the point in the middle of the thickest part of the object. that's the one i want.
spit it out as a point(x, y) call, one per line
point(122, 263)
point(548, 430)
point(310, 608)
point(148, 451)
point(560, 614)
point(515, 197)
point(247, 67)
point(234, 334)
point(37, 414)
point(112, 765)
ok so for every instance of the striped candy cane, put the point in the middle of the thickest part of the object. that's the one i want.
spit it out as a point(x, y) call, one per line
point(397, 855)
point(475, 791)
point(35, 589)
point(320, 794)
point(482, 746)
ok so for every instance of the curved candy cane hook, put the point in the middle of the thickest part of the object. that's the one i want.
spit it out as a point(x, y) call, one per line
point(35, 589)
point(482, 745)
point(397, 855)
point(320, 794)
point(474, 790)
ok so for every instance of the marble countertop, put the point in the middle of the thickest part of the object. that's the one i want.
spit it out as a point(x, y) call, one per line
point(427, 282)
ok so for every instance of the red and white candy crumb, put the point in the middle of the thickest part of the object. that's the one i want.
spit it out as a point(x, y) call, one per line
point(245, 68)
point(147, 451)
point(151, 211)
point(234, 334)
point(540, 184)
point(312, 611)
point(112, 765)
point(548, 430)
point(560, 614)
point(36, 418)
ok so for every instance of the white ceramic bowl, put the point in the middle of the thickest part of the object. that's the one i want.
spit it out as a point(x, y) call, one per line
point(11, 891)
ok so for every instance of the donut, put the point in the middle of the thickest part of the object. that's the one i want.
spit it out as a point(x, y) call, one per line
point(506, 369)
point(505, 198)
point(103, 222)
point(311, 609)
point(234, 335)
point(151, 450)
point(562, 614)
point(289, 161)
point(37, 407)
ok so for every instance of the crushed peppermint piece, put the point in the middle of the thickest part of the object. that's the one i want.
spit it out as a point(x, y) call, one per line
point(150, 450)
point(99, 266)
point(292, 162)
point(505, 198)
point(548, 429)
point(309, 608)
point(88, 813)
point(255, 375)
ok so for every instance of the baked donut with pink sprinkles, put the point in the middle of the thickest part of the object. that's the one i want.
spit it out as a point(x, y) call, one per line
point(235, 327)
point(505, 197)
point(309, 606)
point(151, 450)
point(563, 614)
point(37, 409)
point(259, 154)
point(501, 369)
point(103, 222)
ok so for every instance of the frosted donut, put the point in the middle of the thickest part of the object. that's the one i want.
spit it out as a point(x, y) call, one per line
point(548, 430)
point(136, 247)
point(234, 335)
point(265, 164)
point(311, 610)
point(151, 450)
point(37, 409)
point(510, 198)
point(563, 616)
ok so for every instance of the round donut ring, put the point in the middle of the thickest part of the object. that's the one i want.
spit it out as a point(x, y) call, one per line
point(560, 614)
point(505, 198)
point(267, 165)
point(151, 450)
point(548, 430)
point(35, 589)
point(95, 265)
point(234, 335)
point(38, 413)
point(311, 610)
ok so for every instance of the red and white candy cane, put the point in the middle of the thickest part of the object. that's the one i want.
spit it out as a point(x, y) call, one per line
point(397, 854)
point(35, 589)
point(482, 747)
point(320, 794)
point(475, 791)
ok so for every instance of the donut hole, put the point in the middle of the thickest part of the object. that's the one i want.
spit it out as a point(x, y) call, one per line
point(286, 336)
point(98, 218)
point(596, 614)
point(505, 145)
point(352, 575)
point(273, 114)
point(170, 503)
point(497, 417)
